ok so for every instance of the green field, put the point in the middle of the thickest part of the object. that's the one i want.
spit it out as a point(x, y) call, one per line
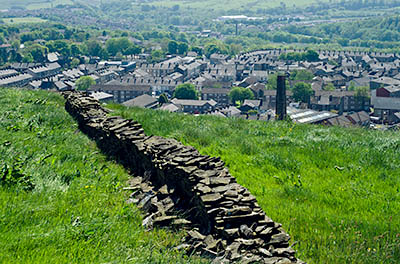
point(335, 190)
point(22, 20)
point(76, 212)
point(32, 4)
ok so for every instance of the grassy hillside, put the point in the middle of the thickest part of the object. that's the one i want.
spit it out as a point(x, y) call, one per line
point(33, 4)
point(335, 190)
point(76, 211)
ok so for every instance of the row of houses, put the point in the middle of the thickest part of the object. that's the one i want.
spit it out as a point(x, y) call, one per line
point(214, 78)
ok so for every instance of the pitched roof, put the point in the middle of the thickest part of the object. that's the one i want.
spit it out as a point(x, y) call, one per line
point(52, 57)
point(387, 103)
point(386, 80)
point(392, 89)
point(15, 79)
point(308, 116)
point(144, 101)
point(169, 107)
point(121, 87)
point(49, 67)
point(193, 102)
point(101, 95)
point(7, 72)
point(252, 103)
point(214, 91)
point(358, 117)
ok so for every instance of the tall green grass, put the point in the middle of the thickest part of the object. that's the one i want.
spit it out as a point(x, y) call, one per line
point(76, 212)
point(335, 190)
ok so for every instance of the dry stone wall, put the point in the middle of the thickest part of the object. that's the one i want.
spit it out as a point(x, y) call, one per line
point(180, 188)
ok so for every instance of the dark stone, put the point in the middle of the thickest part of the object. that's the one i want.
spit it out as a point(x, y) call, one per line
point(249, 198)
point(246, 231)
point(212, 243)
point(196, 235)
point(211, 198)
point(240, 210)
point(240, 218)
point(181, 222)
point(265, 252)
point(251, 259)
point(209, 253)
point(220, 180)
point(267, 231)
point(246, 242)
point(203, 188)
point(221, 189)
point(164, 220)
point(279, 239)
point(283, 252)
point(233, 232)
point(163, 190)
point(148, 221)
point(145, 203)
point(233, 251)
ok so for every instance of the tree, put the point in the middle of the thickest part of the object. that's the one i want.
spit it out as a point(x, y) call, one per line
point(162, 99)
point(272, 83)
point(240, 94)
point(182, 48)
point(84, 83)
point(38, 52)
point(15, 44)
point(156, 55)
point(352, 86)
point(198, 50)
point(302, 92)
point(74, 62)
point(301, 75)
point(75, 50)
point(186, 91)
point(362, 91)
point(329, 87)
point(60, 46)
point(94, 48)
point(311, 55)
point(215, 47)
point(115, 45)
point(172, 47)
point(362, 94)
point(27, 58)
point(133, 50)
point(175, 8)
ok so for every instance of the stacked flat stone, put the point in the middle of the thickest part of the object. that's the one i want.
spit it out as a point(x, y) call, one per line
point(180, 187)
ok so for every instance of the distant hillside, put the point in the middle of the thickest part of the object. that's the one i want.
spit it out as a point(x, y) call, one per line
point(32, 4)
point(335, 190)
point(235, 4)
point(61, 200)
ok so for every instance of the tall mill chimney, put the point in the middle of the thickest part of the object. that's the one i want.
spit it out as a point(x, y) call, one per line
point(281, 97)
